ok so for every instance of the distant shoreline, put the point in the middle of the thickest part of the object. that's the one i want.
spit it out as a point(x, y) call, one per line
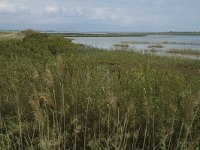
point(120, 34)
point(104, 34)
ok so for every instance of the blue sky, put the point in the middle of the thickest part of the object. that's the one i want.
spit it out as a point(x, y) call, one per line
point(102, 15)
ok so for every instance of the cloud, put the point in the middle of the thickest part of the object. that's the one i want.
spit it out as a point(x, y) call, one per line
point(5, 6)
point(107, 15)
point(51, 9)
point(132, 15)
point(114, 15)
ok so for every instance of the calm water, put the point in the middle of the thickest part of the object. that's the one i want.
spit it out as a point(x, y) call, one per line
point(109, 42)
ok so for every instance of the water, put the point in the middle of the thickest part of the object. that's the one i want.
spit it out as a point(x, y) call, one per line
point(182, 42)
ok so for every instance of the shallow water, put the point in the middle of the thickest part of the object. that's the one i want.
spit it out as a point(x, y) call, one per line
point(109, 42)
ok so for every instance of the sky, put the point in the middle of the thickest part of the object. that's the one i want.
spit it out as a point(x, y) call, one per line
point(101, 15)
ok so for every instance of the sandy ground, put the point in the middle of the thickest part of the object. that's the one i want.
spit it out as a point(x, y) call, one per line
point(11, 35)
point(7, 35)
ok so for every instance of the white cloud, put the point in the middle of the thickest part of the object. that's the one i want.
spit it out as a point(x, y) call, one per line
point(111, 14)
point(116, 15)
point(5, 6)
point(105, 13)
point(52, 9)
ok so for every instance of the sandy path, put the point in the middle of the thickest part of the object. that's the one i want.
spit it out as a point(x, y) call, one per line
point(7, 35)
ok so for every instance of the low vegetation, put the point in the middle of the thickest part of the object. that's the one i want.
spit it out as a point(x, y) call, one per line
point(58, 95)
point(156, 46)
point(98, 34)
point(119, 34)
point(121, 46)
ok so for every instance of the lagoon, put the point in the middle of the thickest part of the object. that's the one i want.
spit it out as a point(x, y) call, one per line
point(148, 42)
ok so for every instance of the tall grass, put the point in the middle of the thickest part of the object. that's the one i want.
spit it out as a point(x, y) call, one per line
point(91, 99)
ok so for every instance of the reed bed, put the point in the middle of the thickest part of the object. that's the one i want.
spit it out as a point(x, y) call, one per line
point(84, 98)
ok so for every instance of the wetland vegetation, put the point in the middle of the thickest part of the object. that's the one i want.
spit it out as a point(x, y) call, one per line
point(58, 95)
point(162, 42)
point(184, 52)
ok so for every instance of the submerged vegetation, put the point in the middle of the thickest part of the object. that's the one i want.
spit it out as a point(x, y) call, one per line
point(184, 52)
point(162, 42)
point(156, 46)
point(124, 46)
point(58, 95)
